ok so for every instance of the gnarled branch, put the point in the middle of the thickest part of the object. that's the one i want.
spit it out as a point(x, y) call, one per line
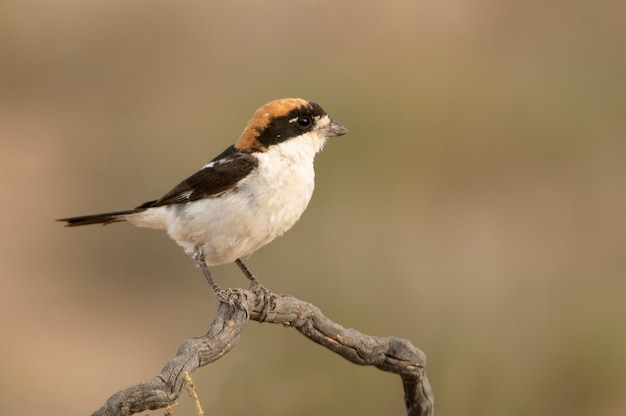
point(390, 354)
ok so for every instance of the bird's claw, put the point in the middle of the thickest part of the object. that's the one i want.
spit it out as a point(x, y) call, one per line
point(265, 299)
point(235, 298)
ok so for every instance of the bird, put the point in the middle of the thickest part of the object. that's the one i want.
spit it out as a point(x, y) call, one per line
point(248, 195)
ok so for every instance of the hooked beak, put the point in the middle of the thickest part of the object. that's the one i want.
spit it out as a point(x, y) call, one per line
point(334, 129)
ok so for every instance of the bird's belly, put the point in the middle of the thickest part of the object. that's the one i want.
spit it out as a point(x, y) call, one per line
point(238, 223)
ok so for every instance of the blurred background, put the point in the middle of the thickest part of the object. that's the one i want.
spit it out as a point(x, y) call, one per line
point(477, 207)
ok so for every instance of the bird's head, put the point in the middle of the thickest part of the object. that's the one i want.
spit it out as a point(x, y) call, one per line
point(282, 120)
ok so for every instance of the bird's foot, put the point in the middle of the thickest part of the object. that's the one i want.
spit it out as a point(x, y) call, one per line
point(235, 298)
point(265, 299)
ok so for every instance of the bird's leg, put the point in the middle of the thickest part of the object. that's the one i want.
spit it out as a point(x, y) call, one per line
point(249, 275)
point(199, 258)
point(230, 296)
point(264, 295)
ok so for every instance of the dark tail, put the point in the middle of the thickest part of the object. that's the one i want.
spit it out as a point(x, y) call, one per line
point(106, 218)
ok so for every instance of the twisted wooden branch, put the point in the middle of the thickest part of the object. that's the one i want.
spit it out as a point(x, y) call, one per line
point(390, 354)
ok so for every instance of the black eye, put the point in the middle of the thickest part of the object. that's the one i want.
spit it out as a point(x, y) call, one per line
point(304, 122)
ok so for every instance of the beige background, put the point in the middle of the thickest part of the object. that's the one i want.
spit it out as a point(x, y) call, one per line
point(477, 207)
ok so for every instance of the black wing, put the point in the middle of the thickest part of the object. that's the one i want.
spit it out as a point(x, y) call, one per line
point(219, 176)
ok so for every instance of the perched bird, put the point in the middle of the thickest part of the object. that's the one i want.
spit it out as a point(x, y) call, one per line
point(251, 193)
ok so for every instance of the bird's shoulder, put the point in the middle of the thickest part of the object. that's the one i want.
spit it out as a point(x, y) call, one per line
point(217, 177)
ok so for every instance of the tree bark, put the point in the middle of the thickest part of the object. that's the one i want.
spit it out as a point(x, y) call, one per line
point(395, 355)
